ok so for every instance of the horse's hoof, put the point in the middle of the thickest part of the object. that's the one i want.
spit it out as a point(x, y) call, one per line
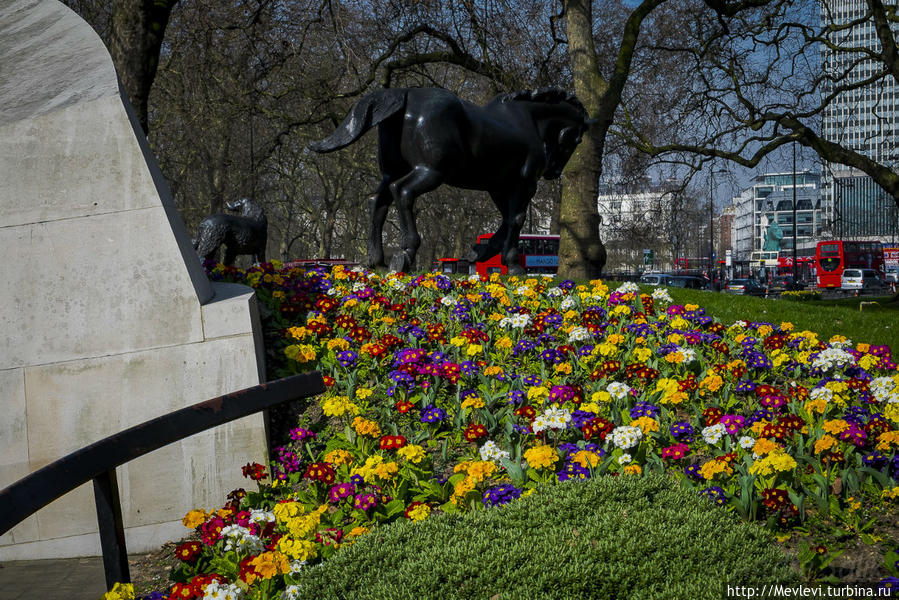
point(399, 262)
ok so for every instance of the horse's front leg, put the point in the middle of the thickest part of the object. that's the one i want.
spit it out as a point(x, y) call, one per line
point(419, 181)
point(494, 245)
point(378, 204)
point(518, 210)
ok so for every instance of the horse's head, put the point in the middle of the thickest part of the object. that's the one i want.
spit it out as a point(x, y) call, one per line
point(560, 147)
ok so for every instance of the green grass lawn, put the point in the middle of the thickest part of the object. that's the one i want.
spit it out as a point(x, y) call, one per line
point(872, 323)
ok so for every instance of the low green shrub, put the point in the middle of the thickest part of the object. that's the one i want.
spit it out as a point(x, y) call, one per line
point(801, 295)
point(628, 537)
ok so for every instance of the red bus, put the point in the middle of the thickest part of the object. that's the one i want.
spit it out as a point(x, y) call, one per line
point(536, 254)
point(832, 256)
point(804, 269)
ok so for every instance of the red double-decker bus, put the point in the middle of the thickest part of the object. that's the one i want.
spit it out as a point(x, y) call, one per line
point(833, 256)
point(536, 254)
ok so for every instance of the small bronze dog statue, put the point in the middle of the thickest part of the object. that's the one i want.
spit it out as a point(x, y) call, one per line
point(244, 233)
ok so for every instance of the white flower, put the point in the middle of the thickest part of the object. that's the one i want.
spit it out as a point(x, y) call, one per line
point(833, 358)
point(618, 390)
point(222, 591)
point(567, 303)
point(624, 459)
point(552, 418)
point(332, 291)
point(821, 393)
point(296, 566)
point(579, 334)
point(746, 442)
point(490, 451)
point(521, 321)
point(240, 539)
point(358, 269)
point(358, 286)
point(841, 345)
point(522, 290)
point(261, 517)
point(292, 592)
point(626, 436)
point(713, 433)
point(474, 278)
point(689, 354)
point(555, 292)
point(884, 389)
point(628, 287)
point(448, 301)
point(662, 295)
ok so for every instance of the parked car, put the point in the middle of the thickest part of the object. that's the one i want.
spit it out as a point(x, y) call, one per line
point(688, 281)
point(860, 279)
point(745, 287)
point(655, 279)
point(892, 275)
point(784, 283)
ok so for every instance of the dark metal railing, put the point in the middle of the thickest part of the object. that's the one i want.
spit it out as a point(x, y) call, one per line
point(99, 460)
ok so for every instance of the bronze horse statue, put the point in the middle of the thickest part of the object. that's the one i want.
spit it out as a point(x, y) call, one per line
point(428, 136)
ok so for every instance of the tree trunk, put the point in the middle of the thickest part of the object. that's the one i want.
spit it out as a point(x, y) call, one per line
point(581, 253)
point(138, 27)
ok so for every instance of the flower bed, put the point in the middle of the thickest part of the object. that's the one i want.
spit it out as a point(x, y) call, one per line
point(457, 395)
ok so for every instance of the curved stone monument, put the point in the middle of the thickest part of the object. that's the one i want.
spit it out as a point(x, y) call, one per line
point(106, 316)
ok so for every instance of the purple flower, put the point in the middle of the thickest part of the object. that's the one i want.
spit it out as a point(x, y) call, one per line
point(714, 494)
point(347, 358)
point(341, 491)
point(501, 494)
point(365, 502)
point(432, 414)
point(299, 434)
point(681, 429)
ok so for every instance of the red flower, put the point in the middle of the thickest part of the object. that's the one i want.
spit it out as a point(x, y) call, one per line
point(775, 498)
point(189, 551)
point(329, 381)
point(529, 412)
point(712, 415)
point(597, 427)
point(320, 471)
point(182, 591)
point(254, 471)
point(404, 406)
point(675, 452)
point(474, 432)
point(392, 442)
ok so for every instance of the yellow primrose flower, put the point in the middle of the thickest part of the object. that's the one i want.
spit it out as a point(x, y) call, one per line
point(887, 439)
point(646, 424)
point(763, 446)
point(835, 426)
point(120, 591)
point(420, 512)
point(363, 393)
point(537, 392)
point(774, 462)
point(585, 458)
point(641, 355)
point(297, 549)
point(298, 333)
point(541, 456)
point(473, 402)
point(593, 407)
point(337, 406)
point(338, 344)
point(365, 426)
point(826, 442)
point(493, 370)
point(601, 396)
point(269, 564)
point(713, 468)
point(786, 326)
point(195, 518)
point(633, 470)
point(563, 368)
point(474, 349)
point(339, 457)
point(412, 453)
point(504, 343)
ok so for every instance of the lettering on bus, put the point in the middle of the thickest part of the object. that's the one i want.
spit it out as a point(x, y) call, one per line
point(541, 261)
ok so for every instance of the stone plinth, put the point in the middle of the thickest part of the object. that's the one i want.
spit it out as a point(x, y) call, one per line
point(106, 316)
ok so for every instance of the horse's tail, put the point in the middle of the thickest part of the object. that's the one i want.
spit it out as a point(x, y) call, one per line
point(365, 114)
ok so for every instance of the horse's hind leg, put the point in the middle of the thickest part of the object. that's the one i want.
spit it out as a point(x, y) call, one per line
point(420, 181)
point(518, 208)
point(378, 204)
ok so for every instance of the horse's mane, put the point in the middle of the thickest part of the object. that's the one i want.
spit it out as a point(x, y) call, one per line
point(549, 95)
